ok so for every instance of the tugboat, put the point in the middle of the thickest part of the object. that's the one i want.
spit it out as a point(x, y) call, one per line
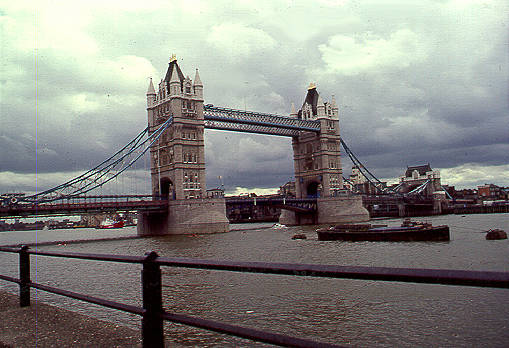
point(410, 231)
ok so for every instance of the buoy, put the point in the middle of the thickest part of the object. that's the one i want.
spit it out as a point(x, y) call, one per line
point(496, 234)
point(299, 236)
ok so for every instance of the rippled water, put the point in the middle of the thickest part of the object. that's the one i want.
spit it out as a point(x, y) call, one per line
point(346, 312)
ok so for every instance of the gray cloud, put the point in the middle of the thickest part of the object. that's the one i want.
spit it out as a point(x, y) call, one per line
point(416, 82)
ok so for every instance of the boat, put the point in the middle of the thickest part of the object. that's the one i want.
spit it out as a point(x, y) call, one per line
point(107, 224)
point(408, 232)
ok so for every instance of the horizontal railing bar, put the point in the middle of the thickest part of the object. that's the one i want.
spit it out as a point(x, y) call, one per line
point(239, 331)
point(429, 276)
point(10, 279)
point(95, 257)
point(91, 299)
point(9, 249)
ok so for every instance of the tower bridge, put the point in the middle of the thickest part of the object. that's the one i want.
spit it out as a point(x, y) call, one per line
point(177, 117)
point(178, 157)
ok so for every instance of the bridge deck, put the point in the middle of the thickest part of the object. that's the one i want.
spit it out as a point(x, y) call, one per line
point(20, 210)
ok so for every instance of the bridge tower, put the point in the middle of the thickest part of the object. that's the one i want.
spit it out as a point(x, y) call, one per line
point(177, 159)
point(317, 165)
point(317, 160)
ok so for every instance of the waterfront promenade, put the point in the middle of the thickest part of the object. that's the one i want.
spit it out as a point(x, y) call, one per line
point(42, 325)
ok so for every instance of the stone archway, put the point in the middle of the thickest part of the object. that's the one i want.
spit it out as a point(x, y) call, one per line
point(313, 189)
point(167, 189)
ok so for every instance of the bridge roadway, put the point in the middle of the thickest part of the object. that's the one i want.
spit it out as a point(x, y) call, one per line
point(119, 203)
point(300, 205)
point(85, 205)
point(393, 199)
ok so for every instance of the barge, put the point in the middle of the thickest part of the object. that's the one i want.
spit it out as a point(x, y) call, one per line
point(408, 232)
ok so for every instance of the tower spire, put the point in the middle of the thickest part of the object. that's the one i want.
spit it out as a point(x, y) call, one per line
point(151, 89)
point(151, 94)
point(198, 85)
point(174, 83)
point(320, 107)
point(293, 113)
point(197, 80)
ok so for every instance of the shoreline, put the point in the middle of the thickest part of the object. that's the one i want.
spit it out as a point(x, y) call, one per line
point(44, 325)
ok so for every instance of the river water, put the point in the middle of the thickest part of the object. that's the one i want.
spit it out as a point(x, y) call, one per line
point(345, 312)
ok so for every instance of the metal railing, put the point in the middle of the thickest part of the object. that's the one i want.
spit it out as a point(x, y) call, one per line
point(153, 314)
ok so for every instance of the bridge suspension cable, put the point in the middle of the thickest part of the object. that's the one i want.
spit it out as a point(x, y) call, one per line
point(372, 179)
point(420, 188)
point(351, 185)
point(104, 172)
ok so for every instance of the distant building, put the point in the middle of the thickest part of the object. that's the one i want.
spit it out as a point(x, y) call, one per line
point(422, 178)
point(356, 177)
point(215, 193)
point(491, 192)
point(360, 184)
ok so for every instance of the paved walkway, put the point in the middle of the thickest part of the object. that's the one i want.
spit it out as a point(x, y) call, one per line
point(42, 325)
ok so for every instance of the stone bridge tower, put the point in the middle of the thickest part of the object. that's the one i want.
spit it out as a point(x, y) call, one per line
point(317, 165)
point(177, 160)
point(178, 157)
point(317, 159)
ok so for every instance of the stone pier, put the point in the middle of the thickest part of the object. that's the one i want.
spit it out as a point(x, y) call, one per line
point(186, 216)
point(330, 210)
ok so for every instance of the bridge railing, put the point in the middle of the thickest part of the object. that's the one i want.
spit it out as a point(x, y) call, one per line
point(79, 204)
point(153, 315)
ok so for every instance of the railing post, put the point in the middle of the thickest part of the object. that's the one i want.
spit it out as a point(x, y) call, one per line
point(152, 323)
point(24, 276)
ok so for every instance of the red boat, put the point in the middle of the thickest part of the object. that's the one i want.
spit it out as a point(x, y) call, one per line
point(408, 232)
point(111, 224)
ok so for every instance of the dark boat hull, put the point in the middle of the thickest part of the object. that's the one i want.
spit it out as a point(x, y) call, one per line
point(398, 234)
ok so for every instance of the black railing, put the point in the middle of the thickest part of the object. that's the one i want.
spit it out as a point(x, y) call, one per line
point(153, 314)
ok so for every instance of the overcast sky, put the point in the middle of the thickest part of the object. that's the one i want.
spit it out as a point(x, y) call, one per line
point(416, 82)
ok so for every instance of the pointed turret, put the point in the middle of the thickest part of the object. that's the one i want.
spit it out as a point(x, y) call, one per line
point(198, 85)
point(151, 94)
point(293, 113)
point(174, 83)
point(151, 89)
point(174, 75)
point(312, 98)
point(197, 80)
point(334, 107)
point(320, 107)
point(333, 102)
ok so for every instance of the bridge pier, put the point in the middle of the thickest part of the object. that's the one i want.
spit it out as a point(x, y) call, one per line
point(186, 216)
point(330, 210)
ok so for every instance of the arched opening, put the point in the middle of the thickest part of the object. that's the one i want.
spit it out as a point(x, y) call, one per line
point(313, 190)
point(167, 190)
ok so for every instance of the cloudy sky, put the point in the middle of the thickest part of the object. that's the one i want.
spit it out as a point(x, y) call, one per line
point(416, 82)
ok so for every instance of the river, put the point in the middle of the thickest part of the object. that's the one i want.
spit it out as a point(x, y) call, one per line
point(345, 312)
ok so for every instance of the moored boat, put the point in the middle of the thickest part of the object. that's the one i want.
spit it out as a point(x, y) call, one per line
point(408, 232)
point(107, 224)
